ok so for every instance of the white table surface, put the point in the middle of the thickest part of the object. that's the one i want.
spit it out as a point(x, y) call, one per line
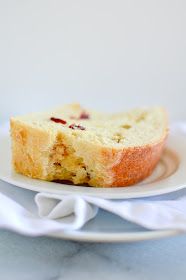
point(43, 258)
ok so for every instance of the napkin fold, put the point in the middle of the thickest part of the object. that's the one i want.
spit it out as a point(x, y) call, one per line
point(149, 214)
point(70, 213)
point(63, 213)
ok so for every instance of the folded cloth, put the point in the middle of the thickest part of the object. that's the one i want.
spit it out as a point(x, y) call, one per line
point(149, 214)
point(75, 213)
point(57, 213)
point(61, 213)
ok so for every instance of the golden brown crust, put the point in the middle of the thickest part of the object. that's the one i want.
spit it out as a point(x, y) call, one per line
point(31, 154)
point(135, 164)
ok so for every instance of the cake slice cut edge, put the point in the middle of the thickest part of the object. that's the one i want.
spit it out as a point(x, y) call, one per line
point(85, 147)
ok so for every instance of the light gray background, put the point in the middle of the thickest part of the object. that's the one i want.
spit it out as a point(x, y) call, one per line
point(107, 54)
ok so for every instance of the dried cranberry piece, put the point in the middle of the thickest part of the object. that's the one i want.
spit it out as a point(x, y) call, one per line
point(84, 116)
point(74, 126)
point(56, 120)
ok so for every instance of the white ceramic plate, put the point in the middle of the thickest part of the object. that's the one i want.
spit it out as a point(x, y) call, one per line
point(169, 175)
point(110, 228)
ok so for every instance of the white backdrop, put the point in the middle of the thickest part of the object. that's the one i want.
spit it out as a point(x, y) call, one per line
point(106, 54)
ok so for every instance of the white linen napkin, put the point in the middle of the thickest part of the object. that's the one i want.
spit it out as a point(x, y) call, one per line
point(16, 218)
point(60, 213)
point(63, 213)
point(150, 214)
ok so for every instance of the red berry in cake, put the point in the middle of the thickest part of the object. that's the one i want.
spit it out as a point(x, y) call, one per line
point(74, 126)
point(56, 120)
point(84, 116)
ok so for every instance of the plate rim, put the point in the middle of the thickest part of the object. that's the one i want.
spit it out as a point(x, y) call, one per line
point(96, 237)
point(109, 196)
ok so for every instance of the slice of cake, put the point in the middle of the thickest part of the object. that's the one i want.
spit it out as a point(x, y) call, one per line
point(85, 147)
